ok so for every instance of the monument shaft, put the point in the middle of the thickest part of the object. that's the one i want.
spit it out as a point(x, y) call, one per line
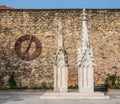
point(85, 61)
point(60, 64)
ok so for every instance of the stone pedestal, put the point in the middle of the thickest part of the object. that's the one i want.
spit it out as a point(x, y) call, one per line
point(60, 75)
point(85, 81)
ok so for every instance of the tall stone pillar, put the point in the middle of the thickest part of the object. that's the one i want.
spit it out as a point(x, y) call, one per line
point(60, 64)
point(85, 60)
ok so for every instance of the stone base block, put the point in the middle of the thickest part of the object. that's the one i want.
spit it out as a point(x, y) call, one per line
point(74, 96)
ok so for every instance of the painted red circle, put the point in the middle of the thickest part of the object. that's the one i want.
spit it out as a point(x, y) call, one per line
point(26, 55)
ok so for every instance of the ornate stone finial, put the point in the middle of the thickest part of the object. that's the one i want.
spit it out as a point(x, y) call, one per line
point(84, 27)
point(84, 14)
point(83, 10)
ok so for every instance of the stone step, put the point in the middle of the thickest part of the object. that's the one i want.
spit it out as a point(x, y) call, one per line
point(74, 96)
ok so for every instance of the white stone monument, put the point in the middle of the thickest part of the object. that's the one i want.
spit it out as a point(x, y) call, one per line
point(85, 60)
point(60, 64)
point(85, 70)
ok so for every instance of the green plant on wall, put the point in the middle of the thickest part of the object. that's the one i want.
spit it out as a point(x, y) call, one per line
point(114, 67)
point(113, 81)
point(12, 81)
point(112, 78)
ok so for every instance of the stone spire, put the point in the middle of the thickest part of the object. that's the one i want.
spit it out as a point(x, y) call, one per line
point(85, 60)
point(84, 27)
point(60, 36)
point(60, 64)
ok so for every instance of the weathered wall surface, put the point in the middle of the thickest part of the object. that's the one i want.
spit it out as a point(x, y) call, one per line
point(104, 32)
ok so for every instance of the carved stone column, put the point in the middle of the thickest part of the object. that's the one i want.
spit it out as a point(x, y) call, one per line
point(60, 64)
point(85, 61)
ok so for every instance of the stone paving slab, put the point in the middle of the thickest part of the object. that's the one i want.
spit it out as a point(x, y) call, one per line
point(33, 97)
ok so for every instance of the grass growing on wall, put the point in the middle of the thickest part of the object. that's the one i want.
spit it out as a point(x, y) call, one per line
point(12, 81)
point(113, 81)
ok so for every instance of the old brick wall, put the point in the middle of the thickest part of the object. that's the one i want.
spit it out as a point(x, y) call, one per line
point(104, 32)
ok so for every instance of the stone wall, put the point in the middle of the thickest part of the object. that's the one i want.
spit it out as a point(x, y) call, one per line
point(104, 32)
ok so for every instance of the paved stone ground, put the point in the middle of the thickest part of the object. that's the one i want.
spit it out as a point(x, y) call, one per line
point(33, 97)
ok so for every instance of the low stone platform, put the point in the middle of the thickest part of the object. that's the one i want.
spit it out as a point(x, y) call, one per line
point(74, 96)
